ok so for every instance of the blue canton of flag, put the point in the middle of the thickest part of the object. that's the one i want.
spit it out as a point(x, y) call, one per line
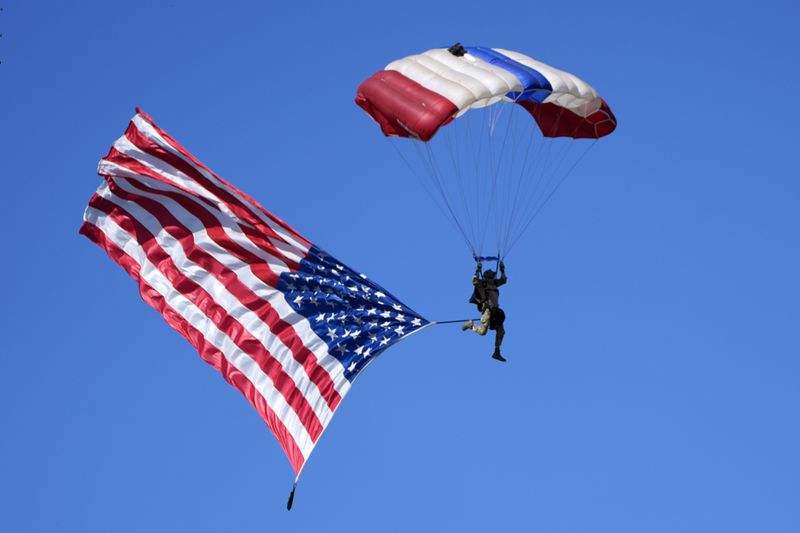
point(356, 317)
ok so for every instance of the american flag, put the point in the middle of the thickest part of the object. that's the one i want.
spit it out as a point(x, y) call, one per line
point(284, 322)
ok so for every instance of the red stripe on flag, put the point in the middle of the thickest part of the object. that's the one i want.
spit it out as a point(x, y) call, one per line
point(208, 352)
point(185, 236)
point(126, 161)
point(214, 312)
point(147, 145)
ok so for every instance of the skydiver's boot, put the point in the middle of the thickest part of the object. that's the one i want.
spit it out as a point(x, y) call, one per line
point(498, 340)
point(496, 355)
point(467, 325)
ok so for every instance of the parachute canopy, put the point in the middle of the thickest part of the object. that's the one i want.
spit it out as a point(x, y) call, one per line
point(416, 95)
point(494, 167)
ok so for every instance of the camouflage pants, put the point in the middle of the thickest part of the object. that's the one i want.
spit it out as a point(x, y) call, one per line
point(482, 327)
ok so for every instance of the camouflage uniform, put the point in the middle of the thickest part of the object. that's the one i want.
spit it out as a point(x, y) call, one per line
point(486, 297)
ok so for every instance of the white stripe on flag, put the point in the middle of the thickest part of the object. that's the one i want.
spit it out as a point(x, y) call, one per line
point(195, 316)
point(244, 272)
point(150, 132)
point(244, 316)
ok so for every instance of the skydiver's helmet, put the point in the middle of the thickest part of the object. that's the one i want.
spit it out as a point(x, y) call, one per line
point(489, 274)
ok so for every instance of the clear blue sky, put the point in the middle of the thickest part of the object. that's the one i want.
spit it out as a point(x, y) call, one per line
point(653, 309)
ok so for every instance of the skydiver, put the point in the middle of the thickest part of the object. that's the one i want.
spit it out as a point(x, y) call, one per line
point(486, 297)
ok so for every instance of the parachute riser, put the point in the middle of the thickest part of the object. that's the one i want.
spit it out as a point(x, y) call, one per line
point(496, 258)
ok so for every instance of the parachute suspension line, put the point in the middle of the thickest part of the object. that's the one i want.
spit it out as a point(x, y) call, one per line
point(512, 192)
point(504, 180)
point(515, 199)
point(502, 177)
point(540, 183)
point(434, 171)
point(540, 178)
point(427, 190)
point(556, 178)
point(526, 182)
point(558, 185)
point(561, 156)
point(454, 147)
point(415, 172)
point(481, 203)
point(544, 174)
point(473, 187)
point(483, 220)
point(494, 169)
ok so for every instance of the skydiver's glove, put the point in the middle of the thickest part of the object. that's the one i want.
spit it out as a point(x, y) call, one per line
point(479, 267)
point(502, 267)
